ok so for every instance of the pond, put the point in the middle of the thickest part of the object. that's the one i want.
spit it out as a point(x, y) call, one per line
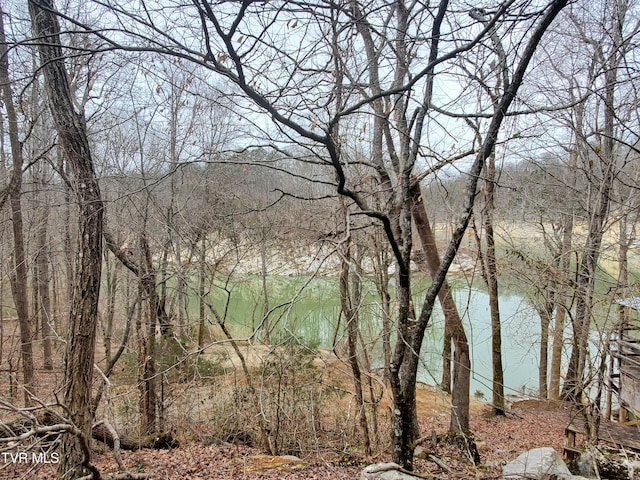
point(309, 310)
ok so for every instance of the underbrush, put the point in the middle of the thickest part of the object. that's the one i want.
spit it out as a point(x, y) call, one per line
point(293, 401)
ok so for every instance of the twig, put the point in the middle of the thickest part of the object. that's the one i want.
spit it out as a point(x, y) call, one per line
point(439, 462)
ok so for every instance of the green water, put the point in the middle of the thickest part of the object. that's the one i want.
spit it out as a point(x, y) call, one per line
point(309, 310)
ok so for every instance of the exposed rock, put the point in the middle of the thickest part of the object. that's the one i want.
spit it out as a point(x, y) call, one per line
point(539, 463)
point(420, 453)
point(612, 464)
point(387, 471)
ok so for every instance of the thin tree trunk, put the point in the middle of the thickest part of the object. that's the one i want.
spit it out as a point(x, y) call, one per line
point(35, 302)
point(43, 279)
point(445, 382)
point(349, 305)
point(563, 282)
point(266, 328)
point(543, 391)
point(181, 318)
point(573, 386)
point(3, 178)
point(490, 277)
point(111, 278)
point(18, 275)
point(201, 291)
point(382, 286)
point(492, 287)
point(158, 318)
point(149, 377)
point(545, 312)
point(624, 242)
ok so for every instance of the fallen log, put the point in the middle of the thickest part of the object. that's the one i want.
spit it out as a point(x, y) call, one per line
point(41, 427)
point(156, 441)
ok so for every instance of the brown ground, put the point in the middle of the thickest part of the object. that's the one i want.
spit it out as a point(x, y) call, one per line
point(529, 424)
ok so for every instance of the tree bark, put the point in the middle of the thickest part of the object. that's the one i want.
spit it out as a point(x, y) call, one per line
point(157, 441)
point(111, 281)
point(349, 302)
point(71, 128)
point(149, 377)
point(201, 291)
point(492, 287)
point(545, 312)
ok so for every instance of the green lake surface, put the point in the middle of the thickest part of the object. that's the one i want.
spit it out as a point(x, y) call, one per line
point(309, 310)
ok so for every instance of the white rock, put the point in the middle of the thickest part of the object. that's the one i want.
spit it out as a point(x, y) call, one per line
point(386, 471)
point(539, 463)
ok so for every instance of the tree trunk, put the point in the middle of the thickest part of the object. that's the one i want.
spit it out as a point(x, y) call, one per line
point(149, 377)
point(381, 266)
point(562, 282)
point(266, 328)
point(68, 236)
point(490, 277)
point(454, 328)
point(201, 291)
point(79, 353)
point(445, 382)
point(18, 275)
point(43, 279)
point(573, 386)
point(545, 312)
point(349, 302)
point(112, 281)
point(496, 332)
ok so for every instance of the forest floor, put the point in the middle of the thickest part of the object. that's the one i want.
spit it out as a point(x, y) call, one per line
point(528, 424)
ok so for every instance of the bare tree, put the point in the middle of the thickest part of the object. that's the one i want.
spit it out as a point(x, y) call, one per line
point(18, 275)
point(291, 79)
point(608, 56)
point(79, 353)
